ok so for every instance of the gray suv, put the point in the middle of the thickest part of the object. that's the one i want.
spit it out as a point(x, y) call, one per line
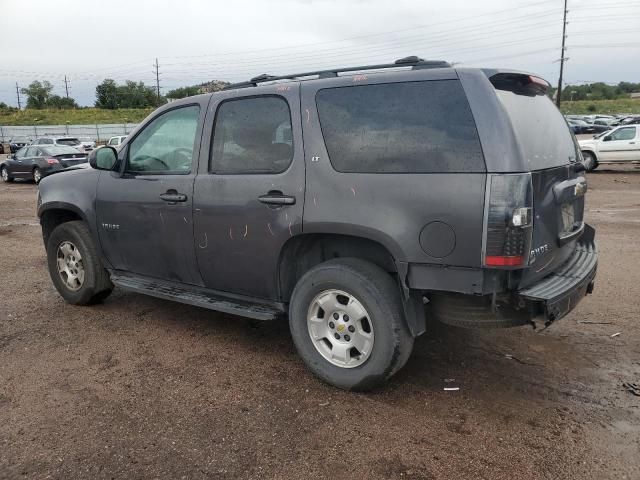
point(361, 202)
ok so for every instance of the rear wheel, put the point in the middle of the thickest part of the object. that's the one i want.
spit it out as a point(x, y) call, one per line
point(74, 265)
point(590, 162)
point(37, 175)
point(347, 323)
point(5, 175)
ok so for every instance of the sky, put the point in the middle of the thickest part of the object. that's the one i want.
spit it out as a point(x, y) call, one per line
point(197, 40)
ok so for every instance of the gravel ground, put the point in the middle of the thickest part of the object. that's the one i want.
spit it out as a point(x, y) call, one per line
point(139, 387)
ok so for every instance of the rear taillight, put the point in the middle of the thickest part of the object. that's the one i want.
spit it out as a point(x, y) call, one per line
point(52, 161)
point(508, 220)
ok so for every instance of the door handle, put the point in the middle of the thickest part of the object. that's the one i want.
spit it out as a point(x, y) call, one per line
point(632, 143)
point(276, 197)
point(173, 197)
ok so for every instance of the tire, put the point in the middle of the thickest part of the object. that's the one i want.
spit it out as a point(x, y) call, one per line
point(4, 173)
point(95, 285)
point(377, 296)
point(469, 311)
point(590, 161)
point(37, 175)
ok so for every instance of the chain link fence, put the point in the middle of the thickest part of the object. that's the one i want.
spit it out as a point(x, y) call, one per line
point(98, 133)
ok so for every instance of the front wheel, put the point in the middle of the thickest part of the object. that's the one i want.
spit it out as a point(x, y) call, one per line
point(74, 265)
point(590, 162)
point(347, 323)
point(5, 175)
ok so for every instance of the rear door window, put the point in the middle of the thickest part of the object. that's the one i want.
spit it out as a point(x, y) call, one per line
point(408, 127)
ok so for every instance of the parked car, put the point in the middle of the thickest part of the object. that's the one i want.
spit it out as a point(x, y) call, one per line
point(415, 189)
point(620, 145)
point(578, 126)
point(628, 120)
point(115, 141)
point(87, 144)
point(63, 141)
point(16, 143)
point(35, 162)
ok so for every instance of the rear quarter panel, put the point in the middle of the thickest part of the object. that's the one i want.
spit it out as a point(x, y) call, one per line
point(390, 208)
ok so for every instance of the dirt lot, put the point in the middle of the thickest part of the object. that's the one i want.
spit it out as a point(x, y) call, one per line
point(139, 388)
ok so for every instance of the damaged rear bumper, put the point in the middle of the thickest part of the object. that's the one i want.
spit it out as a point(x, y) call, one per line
point(557, 294)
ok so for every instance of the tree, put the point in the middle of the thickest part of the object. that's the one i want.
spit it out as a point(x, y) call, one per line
point(136, 95)
point(183, 92)
point(37, 94)
point(107, 94)
point(63, 103)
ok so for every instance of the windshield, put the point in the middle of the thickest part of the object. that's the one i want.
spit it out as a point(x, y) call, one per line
point(68, 141)
point(544, 136)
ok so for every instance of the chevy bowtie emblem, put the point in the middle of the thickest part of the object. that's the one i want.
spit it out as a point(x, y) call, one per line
point(580, 189)
point(340, 328)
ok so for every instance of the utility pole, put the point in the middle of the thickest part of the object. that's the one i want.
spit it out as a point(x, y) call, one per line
point(562, 59)
point(18, 94)
point(157, 67)
point(66, 86)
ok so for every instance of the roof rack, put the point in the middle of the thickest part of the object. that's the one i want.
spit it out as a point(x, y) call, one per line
point(413, 61)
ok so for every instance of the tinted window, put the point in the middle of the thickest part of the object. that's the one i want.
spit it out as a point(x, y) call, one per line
point(252, 135)
point(165, 146)
point(540, 129)
point(61, 150)
point(400, 127)
point(627, 133)
point(71, 142)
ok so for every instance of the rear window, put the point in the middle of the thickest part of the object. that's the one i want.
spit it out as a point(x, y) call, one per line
point(60, 150)
point(68, 141)
point(409, 127)
point(544, 137)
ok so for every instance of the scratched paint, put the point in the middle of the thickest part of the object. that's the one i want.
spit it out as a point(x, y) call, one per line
point(230, 233)
point(206, 241)
point(246, 231)
point(290, 231)
point(270, 230)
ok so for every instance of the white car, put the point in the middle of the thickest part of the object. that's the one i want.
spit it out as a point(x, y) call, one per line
point(115, 141)
point(620, 145)
point(87, 143)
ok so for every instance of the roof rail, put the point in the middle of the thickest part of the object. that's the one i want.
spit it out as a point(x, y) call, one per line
point(413, 61)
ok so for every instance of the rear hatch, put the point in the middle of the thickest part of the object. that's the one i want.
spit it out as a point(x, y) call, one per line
point(552, 158)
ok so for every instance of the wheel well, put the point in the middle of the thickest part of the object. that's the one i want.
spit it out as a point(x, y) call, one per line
point(52, 218)
point(590, 152)
point(303, 252)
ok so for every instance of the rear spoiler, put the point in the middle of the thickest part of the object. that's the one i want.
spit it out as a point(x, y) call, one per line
point(519, 83)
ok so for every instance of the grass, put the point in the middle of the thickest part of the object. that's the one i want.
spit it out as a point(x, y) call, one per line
point(91, 116)
point(587, 107)
point(81, 116)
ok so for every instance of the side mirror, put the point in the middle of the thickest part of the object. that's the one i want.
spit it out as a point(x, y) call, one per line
point(607, 138)
point(103, 158)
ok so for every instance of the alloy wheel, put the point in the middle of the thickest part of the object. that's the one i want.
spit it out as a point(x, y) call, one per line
point(340, 328)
